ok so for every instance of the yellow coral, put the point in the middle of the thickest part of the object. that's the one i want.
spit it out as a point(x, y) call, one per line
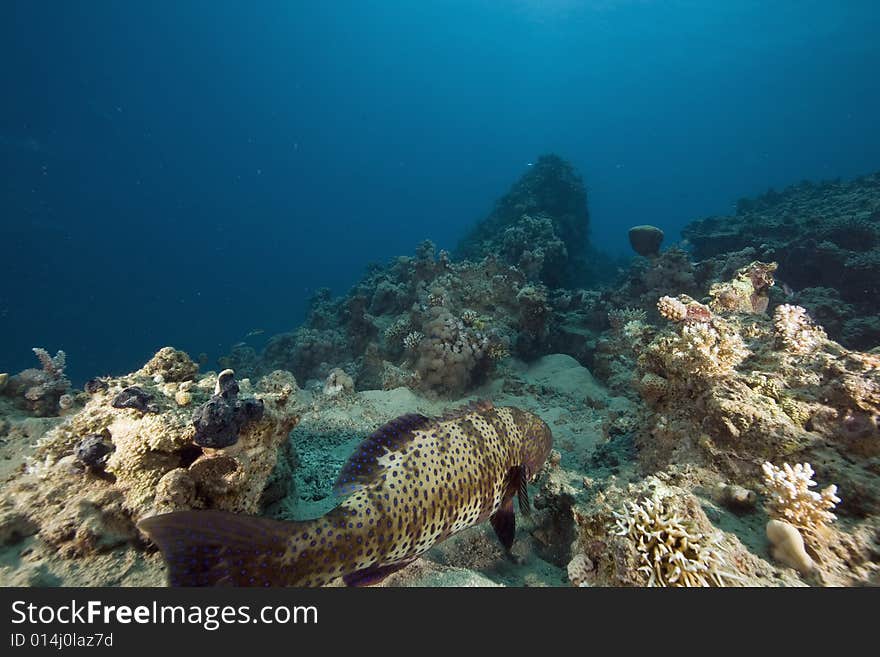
point(797, 411)
point(700, 348)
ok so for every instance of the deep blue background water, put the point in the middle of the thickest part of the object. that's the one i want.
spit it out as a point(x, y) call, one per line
point(182, 172)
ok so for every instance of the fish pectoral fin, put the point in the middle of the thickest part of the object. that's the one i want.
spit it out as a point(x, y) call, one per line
point(373, 574)
point(504, 523)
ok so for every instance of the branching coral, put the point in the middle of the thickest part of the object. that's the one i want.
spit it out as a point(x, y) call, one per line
point(795, 331)
point(40, 390)
point(620, 317)
point(671, 551)
point(791, 499)
point(412, 340)
point(52, 365)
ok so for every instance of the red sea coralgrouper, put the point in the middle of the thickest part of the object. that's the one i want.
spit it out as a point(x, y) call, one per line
point(410, 485)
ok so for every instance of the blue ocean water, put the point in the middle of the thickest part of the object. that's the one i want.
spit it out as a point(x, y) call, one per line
point(184, 172)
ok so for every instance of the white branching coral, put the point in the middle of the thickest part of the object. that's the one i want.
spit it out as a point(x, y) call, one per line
point(796, 331)
point(791, 499)
point(618, 318)
point(671, 550)
point(412, 340)
point(701, 349)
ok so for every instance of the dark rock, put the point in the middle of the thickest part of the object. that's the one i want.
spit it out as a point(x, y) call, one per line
point(219, 420)
point(136, 398)
point(95, 385)
point(93, 451)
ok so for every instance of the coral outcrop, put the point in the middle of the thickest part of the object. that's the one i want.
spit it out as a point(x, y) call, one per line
point(108, 465)
point(44, 391)
point(823, 235)
point(540, 226)
point(792, 500)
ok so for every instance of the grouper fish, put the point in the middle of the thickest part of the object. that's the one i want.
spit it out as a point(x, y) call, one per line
point(410, 485)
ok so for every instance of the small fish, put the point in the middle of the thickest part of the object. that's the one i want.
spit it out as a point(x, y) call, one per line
point(411, 484)
point(254, 332)
point(787, 290)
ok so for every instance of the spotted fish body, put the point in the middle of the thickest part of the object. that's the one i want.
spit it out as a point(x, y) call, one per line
point(410, 485)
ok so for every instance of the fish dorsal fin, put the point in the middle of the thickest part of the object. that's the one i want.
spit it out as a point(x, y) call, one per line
point(480, 405)
point(362, 467)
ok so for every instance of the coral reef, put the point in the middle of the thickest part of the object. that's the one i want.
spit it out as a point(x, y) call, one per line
point(133, 463)
point(824, 235)
point(418, 316)
point(540, 226)
point(678, 397)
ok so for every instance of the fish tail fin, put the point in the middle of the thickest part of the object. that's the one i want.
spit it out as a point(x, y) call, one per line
point(216, 548)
